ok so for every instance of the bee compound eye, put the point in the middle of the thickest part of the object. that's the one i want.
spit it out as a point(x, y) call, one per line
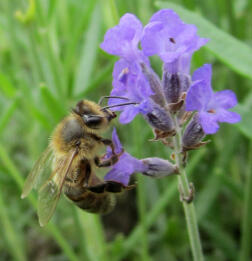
point(92, 121)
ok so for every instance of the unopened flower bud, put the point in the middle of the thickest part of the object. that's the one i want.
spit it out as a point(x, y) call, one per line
point(193, 134)
point(155, 84)
point(159, 119)
point(174, 85)
point(158, 168)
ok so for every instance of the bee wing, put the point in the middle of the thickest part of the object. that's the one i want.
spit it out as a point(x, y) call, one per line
point(49, 193)
point(39, 173)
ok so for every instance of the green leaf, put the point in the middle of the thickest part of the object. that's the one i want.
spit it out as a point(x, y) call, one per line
point(88, 53)
point(7, 114)
point(245, 126)
point(234, 53)
point(53, 105)
point(8, 230)
point(221, 239)
point(6, 86)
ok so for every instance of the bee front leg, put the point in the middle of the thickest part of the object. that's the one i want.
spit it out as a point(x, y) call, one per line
point(108, 162)
point(108, 142)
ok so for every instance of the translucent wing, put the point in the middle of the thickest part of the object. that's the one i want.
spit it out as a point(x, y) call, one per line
point(39, 173)
point(49, 193)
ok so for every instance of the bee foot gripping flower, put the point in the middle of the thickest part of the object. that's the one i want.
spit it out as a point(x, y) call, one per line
point(128, 165)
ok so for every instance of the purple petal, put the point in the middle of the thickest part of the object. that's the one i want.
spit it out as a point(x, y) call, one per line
point(225, 99)
point(198, 96)
point(128, 114)
point(122, 40)
point(208, 122)
point(115, 175)
point(180, 65)
point(167, 36)
point(116, 142)
point(166, 16)
point(228, 116)
point(203, 73)
point(126, 166)
point(150, 41)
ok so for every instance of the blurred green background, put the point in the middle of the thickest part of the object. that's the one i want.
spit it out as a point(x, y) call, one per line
point(49, 59)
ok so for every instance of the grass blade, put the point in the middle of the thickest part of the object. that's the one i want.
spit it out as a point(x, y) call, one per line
point(54, 107)
point(88, 53)
point(6, 87)
point(246, 222)
point(17, 250)
point(7, 114)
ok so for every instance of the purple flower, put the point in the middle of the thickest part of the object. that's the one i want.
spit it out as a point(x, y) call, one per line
point(122, 40)
point(129, 82)
point(212, 107)
point(125, 167)
point(174, 41)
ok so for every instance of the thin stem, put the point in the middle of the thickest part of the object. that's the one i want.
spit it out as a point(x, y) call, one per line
point(157, 209)
point(141, 199)
point(246, 222)
point(190, 214)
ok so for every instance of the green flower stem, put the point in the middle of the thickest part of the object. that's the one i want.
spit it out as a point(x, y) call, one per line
point(246, 222)
point(189, 208)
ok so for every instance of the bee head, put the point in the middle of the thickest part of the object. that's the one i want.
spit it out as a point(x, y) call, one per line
point(93, 116)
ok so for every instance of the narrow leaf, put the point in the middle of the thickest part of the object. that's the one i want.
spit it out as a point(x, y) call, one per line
point(7, 114)
point(12, 237)
point(88, 53)
point(6, 86)
point(53, 105)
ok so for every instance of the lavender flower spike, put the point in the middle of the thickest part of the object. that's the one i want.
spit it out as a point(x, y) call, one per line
point(212, 107)
point(125, 167)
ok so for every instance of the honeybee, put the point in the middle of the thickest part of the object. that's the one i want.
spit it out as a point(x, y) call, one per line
point(72, 156)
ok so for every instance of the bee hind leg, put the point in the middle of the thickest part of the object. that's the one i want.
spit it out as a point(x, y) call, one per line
point(110, 186)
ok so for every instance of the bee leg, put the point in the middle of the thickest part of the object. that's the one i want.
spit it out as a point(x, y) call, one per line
point(86, 168)
point(108, 142)
point(108, 162)
point(116, 187)
point(100, 188)
point(110, 186)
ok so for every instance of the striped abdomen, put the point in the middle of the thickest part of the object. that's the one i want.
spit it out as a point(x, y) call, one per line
point(85, 199)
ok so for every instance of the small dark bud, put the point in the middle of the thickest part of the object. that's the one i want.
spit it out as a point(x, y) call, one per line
point(174, 85)
point(158, 168)
point(155, 84)
point(193, 134)
point(159, 119)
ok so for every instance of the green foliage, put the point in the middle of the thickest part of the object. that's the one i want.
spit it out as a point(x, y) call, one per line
point(50, 58)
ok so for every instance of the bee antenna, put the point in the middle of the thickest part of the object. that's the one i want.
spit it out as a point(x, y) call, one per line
point(118, 105)
point(112, 97)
